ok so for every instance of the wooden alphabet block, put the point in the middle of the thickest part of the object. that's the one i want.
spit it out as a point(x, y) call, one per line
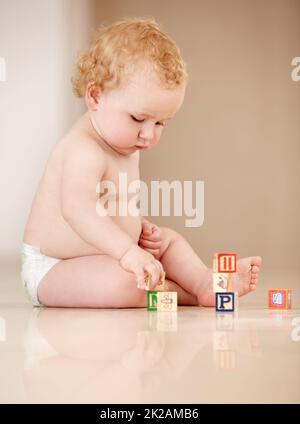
point(166, 301)
point(222, 282)
point(160, 286)
point(151, 300)
point(280, 298)
point(224, 322)
point(236, 301)
point(224, 262)
point(225, 302)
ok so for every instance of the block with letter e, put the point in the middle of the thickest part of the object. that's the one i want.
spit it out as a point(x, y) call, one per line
point(225, 302)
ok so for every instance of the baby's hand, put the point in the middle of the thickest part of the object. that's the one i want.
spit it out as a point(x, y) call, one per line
point(151, 238)
point(143, 265)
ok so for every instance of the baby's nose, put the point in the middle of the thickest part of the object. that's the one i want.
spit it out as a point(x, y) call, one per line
point(147, 133)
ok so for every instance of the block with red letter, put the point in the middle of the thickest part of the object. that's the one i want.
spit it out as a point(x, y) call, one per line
point(224, 262)
point(280, 298)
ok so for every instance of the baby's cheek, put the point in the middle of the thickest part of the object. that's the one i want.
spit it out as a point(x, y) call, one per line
point(126, 135)
point(158, 133)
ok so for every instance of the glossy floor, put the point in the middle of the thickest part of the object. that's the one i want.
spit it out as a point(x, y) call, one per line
point(136, 356)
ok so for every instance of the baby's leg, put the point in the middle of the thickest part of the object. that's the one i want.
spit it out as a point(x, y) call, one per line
point(183, 266)
point(96, 281)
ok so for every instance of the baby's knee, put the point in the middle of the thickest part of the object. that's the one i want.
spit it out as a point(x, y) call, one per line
point(168, 236)
point(130, 294)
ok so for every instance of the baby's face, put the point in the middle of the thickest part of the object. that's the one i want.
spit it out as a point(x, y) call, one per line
point(133, 117)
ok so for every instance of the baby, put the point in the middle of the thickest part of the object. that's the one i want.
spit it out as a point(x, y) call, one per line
point(133, 80)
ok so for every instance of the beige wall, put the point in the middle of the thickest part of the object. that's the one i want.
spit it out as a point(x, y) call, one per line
point(239, 128)
point(39, 40)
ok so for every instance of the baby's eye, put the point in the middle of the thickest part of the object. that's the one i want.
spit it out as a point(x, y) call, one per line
point(142, 120)
point(137, 120)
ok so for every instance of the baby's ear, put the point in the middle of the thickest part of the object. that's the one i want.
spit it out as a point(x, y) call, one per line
point(92, 96)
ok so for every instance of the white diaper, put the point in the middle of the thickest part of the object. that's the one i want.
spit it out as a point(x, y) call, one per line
point(35, 266)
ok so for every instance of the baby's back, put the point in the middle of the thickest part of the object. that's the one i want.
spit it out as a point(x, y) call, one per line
point(46, 226)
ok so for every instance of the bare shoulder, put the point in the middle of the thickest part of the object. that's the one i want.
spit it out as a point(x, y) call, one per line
point(82, 151)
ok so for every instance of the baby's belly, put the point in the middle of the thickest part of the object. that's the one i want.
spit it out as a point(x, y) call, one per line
point(56, 237)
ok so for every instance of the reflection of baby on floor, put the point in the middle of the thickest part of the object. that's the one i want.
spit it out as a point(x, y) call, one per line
point(98, 356)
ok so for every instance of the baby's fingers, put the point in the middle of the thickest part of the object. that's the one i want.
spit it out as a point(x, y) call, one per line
point(140, 278)
point(162, 272)
point(149, 244)
point(155, 253)
point(151, 237)
point(154, 273)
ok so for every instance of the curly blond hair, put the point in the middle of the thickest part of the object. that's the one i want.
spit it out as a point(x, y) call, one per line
point(116, 50)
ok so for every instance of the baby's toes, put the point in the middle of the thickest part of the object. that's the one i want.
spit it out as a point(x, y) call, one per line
point(254, 278)
point(254, 273)
point(256, 261)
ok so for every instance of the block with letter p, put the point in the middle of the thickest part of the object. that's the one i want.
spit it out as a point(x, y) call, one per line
point(225, 302)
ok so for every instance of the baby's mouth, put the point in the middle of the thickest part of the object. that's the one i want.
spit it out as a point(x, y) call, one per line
point(142, 146)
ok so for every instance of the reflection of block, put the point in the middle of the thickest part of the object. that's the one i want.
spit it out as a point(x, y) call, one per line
point(222, 282)
point(152, 320)
point(280, 298)
point(162, 322)
point(222, 340)
point(167, 321)
point(166, 301)
point(151, 300)
point(224, 262)
point(226, 359)
point(225, 322)
point(225, 302)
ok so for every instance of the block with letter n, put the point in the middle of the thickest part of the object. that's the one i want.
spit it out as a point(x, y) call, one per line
point(152, 300)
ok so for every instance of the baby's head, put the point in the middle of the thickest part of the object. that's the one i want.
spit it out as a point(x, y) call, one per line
point(133, 79)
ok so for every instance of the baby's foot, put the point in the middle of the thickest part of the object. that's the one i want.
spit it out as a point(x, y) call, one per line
point(244, 280)
point(246, 276)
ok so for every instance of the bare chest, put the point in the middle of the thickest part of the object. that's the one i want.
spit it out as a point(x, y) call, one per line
point(121, 180)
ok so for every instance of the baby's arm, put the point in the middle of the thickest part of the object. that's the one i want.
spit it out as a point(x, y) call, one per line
point(150, 238)
point(83, 168)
